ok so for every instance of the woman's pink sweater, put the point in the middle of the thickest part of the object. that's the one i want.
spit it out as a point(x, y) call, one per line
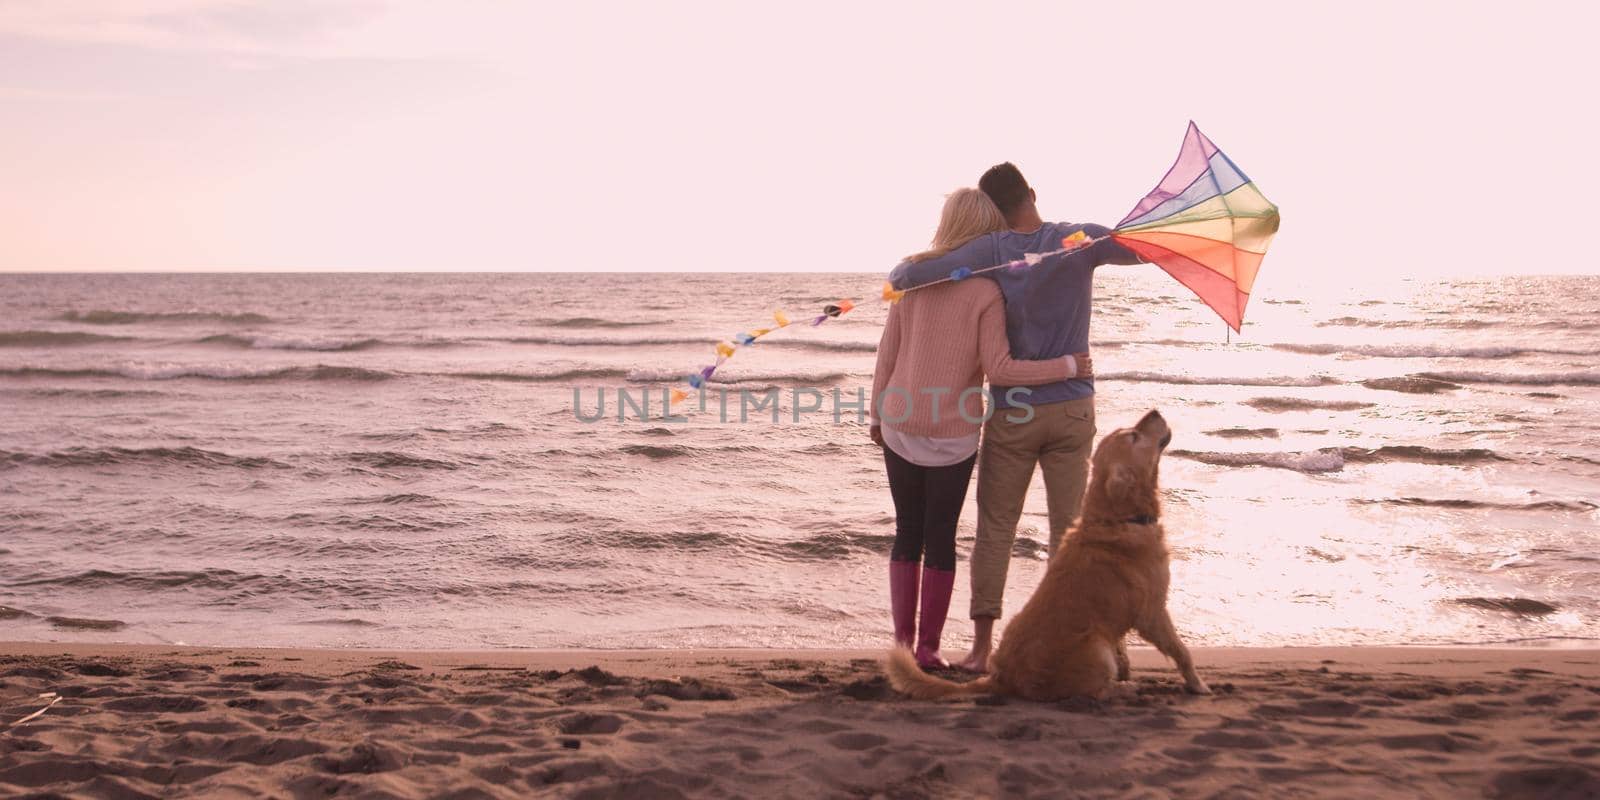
point(940, 342)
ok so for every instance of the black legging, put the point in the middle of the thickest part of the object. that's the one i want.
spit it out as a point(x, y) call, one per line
point(927, 505)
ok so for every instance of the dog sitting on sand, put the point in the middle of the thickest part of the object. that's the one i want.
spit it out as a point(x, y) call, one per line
point(1109, 577)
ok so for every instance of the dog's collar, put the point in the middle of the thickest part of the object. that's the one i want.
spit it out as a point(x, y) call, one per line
point(1142, 519)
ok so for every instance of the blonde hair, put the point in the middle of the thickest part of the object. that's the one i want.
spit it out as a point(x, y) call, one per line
point(968, 213)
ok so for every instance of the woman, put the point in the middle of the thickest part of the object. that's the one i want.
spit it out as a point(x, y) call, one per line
point(927, 408)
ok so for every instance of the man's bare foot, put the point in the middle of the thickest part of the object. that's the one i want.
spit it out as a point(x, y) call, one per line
point(982, 643)
point(975, 661)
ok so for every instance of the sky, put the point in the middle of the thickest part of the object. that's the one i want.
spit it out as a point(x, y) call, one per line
point(1399, 139)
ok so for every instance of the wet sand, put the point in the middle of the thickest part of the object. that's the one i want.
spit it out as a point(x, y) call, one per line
point(163, 721)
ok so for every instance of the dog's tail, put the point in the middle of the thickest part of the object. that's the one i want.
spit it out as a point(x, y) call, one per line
point(909, 679)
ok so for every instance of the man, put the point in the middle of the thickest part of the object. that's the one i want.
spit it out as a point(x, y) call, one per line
point(1047, 316)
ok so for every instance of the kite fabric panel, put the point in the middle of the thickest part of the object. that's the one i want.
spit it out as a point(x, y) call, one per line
point(1206, 224)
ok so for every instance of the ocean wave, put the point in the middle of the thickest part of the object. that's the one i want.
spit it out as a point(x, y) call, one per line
point(107, 456)
point(1199, 380)
point(1244, 433)
point(1116, 344)
point(347, 622)
point(576, 373)
point(312, 343)
point(390, 459)
point(594, 341)
point(326, 372)
point(54, 338)
point(1452, 323)
point(226, 587)
point(163, 372)
point(584, 545)
point(1573, 378)
point(657, 451)
point(101, 317)
point(145, 580)
point(1419, 454)
point(83, 624)
point(348, 344)
point(1458, 503)
point(742, 379)
point(1521, 606)
point(1281, 404)
point(836, 545)
point(1334, 459)
point(1311, 462)
point(406, 498)
point(1431, 351)
point(1458, 323)
point(1411, 384)
point(95, 394)
point(596, 322)
point(823, 345)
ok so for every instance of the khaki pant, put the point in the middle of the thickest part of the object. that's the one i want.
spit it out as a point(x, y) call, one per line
point(1059, 438)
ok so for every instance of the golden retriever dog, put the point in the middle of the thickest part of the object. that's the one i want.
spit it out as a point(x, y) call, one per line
point(1109, 577)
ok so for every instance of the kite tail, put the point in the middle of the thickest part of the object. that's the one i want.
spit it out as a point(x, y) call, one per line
point(909, 679)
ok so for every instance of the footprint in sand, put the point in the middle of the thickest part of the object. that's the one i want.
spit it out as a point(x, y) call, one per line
point(857, 740)
point(364, 758)
point(157, 704)
point(820, 726)
point(1436, 742)
point(586, 723)
point(1565, 780)
point(100, 669)
point(1237, 740)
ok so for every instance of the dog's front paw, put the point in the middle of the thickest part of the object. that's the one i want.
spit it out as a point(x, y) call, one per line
point(1197, 686)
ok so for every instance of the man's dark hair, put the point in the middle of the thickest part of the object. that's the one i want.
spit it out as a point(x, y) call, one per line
point(1005, 186)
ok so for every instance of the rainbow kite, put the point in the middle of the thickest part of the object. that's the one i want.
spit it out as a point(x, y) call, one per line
point(1206, 224)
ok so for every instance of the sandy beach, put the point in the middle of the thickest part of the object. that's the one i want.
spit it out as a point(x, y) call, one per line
point(163, 721)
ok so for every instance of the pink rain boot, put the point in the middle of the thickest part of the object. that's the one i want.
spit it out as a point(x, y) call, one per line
point(903, 600)
point(936, 587)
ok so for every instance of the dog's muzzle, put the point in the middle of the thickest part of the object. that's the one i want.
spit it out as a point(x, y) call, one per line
point(1154, 424)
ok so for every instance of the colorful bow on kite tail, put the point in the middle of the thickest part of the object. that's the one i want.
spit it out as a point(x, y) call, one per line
point(726, 350)
point(1206, 224)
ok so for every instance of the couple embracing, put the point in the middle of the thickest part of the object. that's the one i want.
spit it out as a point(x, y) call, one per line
point(1027, 331)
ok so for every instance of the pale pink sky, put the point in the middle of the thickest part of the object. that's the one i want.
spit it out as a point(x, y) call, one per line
point(1398, 138)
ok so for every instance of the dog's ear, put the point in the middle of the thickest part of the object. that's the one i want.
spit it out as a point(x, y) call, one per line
point(1121, 485)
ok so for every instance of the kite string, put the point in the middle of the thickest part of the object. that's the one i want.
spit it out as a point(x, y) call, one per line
point(726, 350)
point(1018, 264)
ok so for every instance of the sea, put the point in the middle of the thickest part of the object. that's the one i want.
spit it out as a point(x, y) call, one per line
point(415, 460)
